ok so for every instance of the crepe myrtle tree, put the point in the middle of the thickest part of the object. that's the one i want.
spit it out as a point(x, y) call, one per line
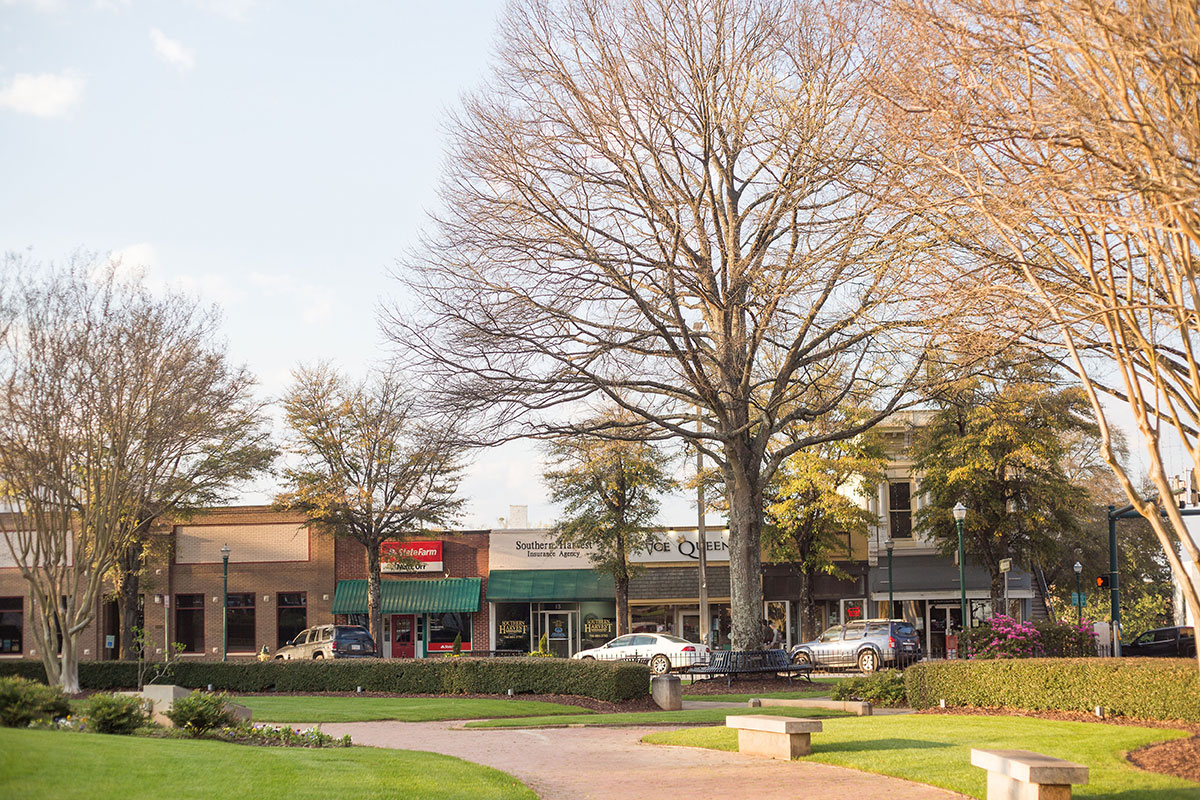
point(1059, 139)
point(674, 207)
point(117, 407)
point(366, 465)
point(610, 491)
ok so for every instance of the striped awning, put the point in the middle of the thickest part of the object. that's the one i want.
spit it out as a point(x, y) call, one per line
point(448, 595)
point(517, 585)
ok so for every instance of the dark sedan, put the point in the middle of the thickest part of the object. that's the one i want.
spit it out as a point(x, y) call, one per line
point(1175, 642)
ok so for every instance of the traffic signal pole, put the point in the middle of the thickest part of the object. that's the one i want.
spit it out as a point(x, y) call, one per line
point(1114, 589)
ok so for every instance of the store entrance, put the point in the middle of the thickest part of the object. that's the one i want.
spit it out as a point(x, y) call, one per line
point(942, 618)
point(559, 627)
point(403, 639)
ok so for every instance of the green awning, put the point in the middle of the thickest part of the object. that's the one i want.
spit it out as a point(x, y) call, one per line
point(453, 595)
point(513, 585)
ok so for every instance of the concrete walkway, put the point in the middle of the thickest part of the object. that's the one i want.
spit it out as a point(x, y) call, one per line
point(610, 763)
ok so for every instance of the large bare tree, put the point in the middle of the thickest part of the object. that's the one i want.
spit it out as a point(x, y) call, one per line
point(113, 403)
point(673, 206)
point(1061, 139)
point(368, 467)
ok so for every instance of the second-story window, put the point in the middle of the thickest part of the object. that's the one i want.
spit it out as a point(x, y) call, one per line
point(900, 509)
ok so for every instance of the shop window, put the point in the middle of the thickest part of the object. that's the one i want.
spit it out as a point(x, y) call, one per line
point(444, 628)
point(189, 622)
point(512, 627)
point(599, 623)
point(900, 510)
point(651, 619)
point(291, 616)
point(240, 608)
point(12, 624)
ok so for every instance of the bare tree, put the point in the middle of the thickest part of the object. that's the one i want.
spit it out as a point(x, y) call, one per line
point(369, 468)
point(113, 402)
point(672, 206)
point(1061, 139)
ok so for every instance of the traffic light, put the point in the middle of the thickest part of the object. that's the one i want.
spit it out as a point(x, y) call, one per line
point(1102, 582)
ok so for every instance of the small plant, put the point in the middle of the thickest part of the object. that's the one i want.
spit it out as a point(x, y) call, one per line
point(115, 713)
point(201, 712)
point(885, 689)
point(246, 733)
point(457, 649)
point(23, 701)
point(542, 651)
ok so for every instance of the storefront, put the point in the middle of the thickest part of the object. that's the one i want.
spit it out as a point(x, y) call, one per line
point(835, 600)
point(420, 617)
point(926, 593)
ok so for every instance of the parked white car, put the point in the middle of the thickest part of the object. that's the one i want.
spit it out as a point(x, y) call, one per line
point(662, 652)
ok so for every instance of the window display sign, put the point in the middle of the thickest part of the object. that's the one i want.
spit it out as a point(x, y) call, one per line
point(421, 557)
point(538, 549)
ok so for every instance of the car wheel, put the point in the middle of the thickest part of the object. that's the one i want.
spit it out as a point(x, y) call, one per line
point(587, 658)
point(868, 661)
point(660, 665)
point(318, 655)
point(279, 658)
point(802, 658)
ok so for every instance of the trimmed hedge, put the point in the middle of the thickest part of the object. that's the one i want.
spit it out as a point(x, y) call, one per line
point(1144, 688)
point(613, 682)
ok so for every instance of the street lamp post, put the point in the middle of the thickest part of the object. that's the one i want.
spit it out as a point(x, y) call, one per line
point(1079, 590)
point(225, 602)
point(960, 513)
point(891, 594)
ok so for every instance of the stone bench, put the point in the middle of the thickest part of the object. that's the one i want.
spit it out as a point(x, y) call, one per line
point(1025, 775)
point(784, 738)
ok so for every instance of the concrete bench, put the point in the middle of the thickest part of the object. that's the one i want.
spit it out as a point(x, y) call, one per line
point(1025, 775)
point(774, 737)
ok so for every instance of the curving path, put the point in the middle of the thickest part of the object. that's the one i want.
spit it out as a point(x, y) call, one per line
point(606, 763)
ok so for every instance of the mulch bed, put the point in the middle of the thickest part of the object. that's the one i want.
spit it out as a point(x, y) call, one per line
point(601, 706)
point(750, 686)
point(1178, 757)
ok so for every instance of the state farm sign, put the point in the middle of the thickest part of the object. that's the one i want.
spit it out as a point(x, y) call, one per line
point(421, 557)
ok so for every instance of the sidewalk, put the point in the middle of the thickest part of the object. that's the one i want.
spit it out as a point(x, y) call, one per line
point(613, 764)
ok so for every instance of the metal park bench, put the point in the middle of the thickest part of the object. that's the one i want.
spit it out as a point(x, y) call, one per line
point(732, 663)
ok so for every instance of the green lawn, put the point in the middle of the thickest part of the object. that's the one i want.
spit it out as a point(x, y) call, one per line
point(404, 709)
point(936, 750)
point(66, 766)
point(700, 716)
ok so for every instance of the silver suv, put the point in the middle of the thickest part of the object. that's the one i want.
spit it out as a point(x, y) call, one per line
point(866, 644)
point(328, 641)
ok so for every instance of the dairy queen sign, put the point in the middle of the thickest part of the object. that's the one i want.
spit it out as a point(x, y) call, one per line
point(427, 555)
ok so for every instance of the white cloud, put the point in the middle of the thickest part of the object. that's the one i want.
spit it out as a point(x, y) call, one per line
point(315, 303)
point(46, 95)
point(172, 51)
point(135, 261)
point(36, 5)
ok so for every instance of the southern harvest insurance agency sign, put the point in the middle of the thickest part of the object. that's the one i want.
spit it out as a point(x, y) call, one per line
point(536, 549)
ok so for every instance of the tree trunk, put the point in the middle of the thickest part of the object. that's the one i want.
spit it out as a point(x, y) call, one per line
point(809, 624)
point(374, 592)
point(745, 558)
point(68, 675)
point(622, 583)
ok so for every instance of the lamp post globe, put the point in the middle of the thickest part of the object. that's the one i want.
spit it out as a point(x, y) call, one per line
point(960, 514)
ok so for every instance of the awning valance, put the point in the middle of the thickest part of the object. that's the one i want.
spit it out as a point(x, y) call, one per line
point(448, 595)
point(517, 585)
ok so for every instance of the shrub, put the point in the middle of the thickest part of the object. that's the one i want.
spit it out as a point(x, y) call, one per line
point(246, 733)
point(115, 713)
point(1005, 637)
point(1066, 639)
point(1145, 688)
point(885, 688)
point(200, 712)
point(23, 701)
point(613, 682)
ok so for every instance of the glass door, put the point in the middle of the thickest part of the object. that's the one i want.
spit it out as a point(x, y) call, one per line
point(560, 633)
point(689, 626)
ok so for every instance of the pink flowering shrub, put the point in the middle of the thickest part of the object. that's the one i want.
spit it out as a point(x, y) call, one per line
point(1005, 637)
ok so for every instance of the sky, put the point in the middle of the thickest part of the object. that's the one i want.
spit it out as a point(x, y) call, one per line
point(273, 158)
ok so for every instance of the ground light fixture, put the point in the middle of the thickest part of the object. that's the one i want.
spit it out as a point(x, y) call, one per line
point(960, 513)
point(1078, 590)
point(225, 551)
